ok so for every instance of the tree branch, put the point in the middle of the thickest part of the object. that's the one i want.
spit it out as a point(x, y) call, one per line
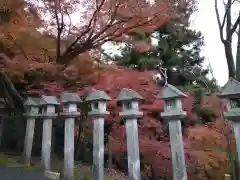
point(60, 27)
point(227, 12)
point(235, 25)
point(87, 28)
point(220, 24)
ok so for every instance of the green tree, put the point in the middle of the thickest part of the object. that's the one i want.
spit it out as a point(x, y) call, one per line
point(178, 49)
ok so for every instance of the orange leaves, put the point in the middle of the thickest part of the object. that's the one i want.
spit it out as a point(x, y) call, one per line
point(19, 35)
point(211, 145)
point(91, 23)
point(19, 65)
point(206, 137)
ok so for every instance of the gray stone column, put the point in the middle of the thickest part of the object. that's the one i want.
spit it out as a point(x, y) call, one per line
point(97, 100)
point(173, 114)
point(70, 112)
point(130, 100)
point(32, 107)
point(231, 92)
point(49, 104)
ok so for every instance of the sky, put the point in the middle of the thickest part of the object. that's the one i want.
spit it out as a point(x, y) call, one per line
point(205, 21)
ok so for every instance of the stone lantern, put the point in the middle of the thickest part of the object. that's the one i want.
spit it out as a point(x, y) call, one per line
point(130, 101)
point(48, 104)
point(173, 114)
point(97, 100)
point(231, 92)
point(32, 105)
point(70, 112)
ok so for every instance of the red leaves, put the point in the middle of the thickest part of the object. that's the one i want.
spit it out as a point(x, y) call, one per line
point(47, 88)
point(100, 21)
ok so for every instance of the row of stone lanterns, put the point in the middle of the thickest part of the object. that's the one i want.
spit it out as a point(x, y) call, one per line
point(130, 101)
point(173, 113)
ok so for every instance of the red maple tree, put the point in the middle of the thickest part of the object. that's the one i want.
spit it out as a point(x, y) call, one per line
point(99, 21)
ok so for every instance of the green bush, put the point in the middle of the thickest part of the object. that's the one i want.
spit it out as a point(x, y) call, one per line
point(5, 160)
point(205, 114)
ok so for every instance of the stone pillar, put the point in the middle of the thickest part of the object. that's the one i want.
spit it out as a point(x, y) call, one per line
point(130, 101)
point(98, 99)
point(32, 112)
point(173, 114)
point(49, 104)
point(70, 112)
point(231, 92)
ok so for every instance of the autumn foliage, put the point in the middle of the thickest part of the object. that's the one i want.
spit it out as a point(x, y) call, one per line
point(38, 36)
point(51, 46)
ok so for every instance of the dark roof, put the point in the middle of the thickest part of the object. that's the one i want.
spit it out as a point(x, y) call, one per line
point(128, 94)
point(96, 95)
point(170, 92)
point(49, 100)
point(67, 97)
point(32, 101)
point(231, 88)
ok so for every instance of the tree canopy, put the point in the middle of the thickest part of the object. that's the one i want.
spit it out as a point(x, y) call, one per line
point(38, 37)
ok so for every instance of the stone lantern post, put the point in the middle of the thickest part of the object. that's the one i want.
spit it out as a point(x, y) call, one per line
point(231, 92)
point(70, 112)
point(49, 104)
point(173, 114)
point(32, 112)
point(97, 100)
point(130, 101)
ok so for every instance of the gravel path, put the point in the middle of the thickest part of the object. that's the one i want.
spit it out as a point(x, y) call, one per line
point(116, 175)
point(20, 174)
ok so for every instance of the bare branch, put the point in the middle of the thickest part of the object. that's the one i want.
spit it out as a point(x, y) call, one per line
point(87, 28)
point(70, 22)
point(235, 25)
point(219, 22)
point(60, 27)
point(222, 24)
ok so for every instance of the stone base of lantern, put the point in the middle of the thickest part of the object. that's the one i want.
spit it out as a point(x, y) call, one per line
point(97, 114)
point(232, 115)
point(132, 114)
point(173, 115)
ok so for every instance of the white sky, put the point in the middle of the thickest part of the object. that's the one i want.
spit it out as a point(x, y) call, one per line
point(205, 21)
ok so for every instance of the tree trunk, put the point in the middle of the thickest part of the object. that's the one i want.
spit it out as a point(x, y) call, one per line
point(238, 55)
point(77, 144)
point(109, 151)
point(10, 87)
point(230, 60)
point(53, 143)
point(1, 131)
point(73, 52)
